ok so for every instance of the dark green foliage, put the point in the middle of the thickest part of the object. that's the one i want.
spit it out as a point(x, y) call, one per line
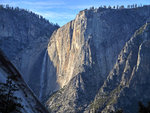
point(121, 7)
point(144, 109)
point(119, 111)
point(128, 6)
point(104, 6)
point(8, 102)
point(1, 6)
point(109, 7)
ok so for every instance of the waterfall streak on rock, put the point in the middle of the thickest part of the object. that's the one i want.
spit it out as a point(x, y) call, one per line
point(42, 76)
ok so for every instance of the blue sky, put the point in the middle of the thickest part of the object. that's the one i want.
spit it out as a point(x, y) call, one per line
point(63, 11)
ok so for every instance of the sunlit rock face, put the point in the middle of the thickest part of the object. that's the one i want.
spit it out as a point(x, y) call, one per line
point(101, 33)
point(85, 50)
point(24, 37)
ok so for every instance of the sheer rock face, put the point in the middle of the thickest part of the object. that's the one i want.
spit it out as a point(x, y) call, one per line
point(128, 82)
point(85, 50)
point(98, 33)
point(24, 38)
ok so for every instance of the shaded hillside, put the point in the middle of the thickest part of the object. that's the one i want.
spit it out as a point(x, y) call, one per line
point(29, 101)
point(21, 29)
point(24, 38)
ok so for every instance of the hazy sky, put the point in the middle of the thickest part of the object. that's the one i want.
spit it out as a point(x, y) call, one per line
point(62, 11)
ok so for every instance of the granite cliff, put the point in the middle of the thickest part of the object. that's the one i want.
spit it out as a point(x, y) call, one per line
point(128, 82)
point(78, 69)
point(85, 50)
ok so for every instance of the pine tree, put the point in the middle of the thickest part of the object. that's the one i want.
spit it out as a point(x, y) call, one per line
point(117, 7)
point(9, 102)
point(1, 6)
point(105, 6)
point(121, 7)
point(109, 7)
point(128, 6)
